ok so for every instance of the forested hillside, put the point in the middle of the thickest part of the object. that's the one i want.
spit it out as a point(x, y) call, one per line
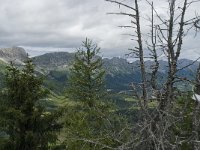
point(82, 101)
point(55, 70)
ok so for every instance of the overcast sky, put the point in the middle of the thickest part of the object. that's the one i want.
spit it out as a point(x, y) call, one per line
point(60, 25)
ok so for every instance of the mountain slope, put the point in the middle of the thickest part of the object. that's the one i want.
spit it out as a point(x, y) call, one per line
point(119, 73)
point(15, 54)
point(54, 61)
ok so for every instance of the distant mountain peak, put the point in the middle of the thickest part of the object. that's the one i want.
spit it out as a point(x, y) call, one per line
point(15, 54)
point(54, 60)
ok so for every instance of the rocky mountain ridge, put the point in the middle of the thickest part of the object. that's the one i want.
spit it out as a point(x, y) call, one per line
point(119, 73)
point(15, 54)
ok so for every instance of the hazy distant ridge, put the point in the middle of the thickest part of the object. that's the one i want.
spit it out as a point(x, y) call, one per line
point(119, 73)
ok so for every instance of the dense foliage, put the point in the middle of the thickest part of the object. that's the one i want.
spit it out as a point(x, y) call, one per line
point(92, 117)
point(93, 123)
point(86, 83)
point(24, 121)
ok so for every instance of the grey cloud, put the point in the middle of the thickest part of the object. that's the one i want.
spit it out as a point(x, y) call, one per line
point(65, 23)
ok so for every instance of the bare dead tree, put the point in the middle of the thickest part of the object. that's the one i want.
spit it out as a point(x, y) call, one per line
point(153, 50)
point(173, 54)
point(166, 35)
point(138, 50)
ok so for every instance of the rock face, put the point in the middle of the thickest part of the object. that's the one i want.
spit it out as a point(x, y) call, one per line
point(56, 60)
point(15, 54)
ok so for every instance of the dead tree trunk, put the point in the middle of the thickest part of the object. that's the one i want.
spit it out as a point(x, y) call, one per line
point(138, 51)
point(167, 35)
point(141, 55)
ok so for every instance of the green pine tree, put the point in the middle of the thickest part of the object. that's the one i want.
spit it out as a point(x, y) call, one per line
point(90, 123)
point(23, 119)
point(86, 83)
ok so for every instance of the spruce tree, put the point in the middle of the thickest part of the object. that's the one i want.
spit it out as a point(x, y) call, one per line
point(23, 119)
point(90, 123)
point(86, 83)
